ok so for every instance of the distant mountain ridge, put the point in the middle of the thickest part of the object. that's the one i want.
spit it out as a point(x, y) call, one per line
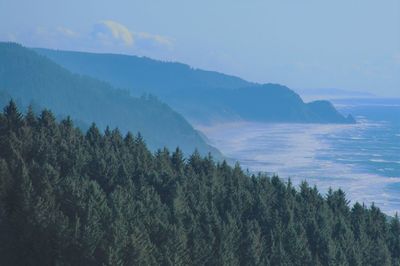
point(141, 73)
point(200, 96)
point(31, 78)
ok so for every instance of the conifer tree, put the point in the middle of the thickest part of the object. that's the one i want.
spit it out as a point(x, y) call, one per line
point(68, 198)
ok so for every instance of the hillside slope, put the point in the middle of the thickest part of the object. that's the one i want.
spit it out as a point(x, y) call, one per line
point(29, 77)
point(73, 198)
point(142, 74)
point(201, 96)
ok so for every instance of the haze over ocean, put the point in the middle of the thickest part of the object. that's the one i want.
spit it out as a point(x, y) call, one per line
point(362, 159)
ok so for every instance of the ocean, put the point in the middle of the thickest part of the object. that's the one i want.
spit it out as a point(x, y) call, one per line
point(361, 159)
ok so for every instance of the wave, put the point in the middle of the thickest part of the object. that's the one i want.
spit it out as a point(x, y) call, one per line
point(309, 152)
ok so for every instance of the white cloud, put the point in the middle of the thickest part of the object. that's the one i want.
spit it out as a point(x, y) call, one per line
point(155, 38)
point(112, 31)
point(67, 32)
point(103, 36)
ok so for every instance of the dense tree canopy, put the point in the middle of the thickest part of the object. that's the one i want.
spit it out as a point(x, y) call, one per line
point(68, 198)
point(33, 79)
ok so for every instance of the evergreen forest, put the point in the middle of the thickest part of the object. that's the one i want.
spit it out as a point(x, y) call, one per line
point(98, 197)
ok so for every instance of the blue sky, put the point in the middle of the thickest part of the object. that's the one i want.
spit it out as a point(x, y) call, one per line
point(345, 44)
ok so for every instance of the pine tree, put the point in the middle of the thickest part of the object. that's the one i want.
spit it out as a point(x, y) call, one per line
point(252, 250)
point(13, 117)
point(68, 198)
point(394, 239)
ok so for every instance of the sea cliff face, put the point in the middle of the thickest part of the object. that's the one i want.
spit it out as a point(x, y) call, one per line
point(200, 96)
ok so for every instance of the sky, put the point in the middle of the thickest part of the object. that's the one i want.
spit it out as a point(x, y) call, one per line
point(304, 44)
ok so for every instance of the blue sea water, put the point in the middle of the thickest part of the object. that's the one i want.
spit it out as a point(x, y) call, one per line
point(362, 159)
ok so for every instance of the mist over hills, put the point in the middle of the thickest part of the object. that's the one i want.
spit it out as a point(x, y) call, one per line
point(31, 78)
point(265, 103)
point(200, 96)
point(142, 74)
point(332, 94)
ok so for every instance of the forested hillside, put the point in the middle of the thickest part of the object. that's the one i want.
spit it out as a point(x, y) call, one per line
point(261, 103)
point(201, 96)
point(30, 78)
point(73, 198)
point(143, 74)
